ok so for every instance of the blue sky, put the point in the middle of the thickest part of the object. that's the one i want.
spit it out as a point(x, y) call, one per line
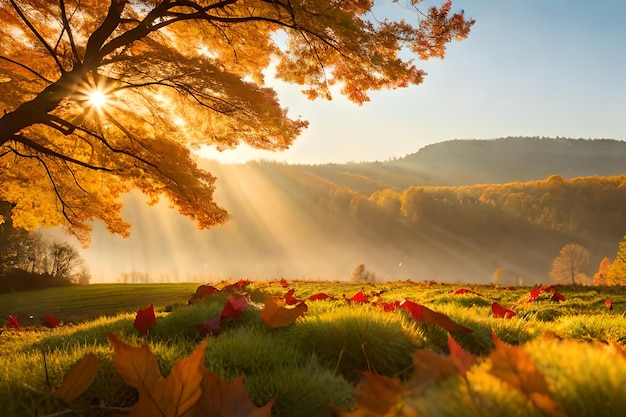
point(529, 68)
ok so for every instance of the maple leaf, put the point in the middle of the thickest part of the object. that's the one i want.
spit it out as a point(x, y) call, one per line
point(221, 398)
point(13, 323)
point(232, 309)
point(172, 396)
point(461, 358)
point(517, 368)
point(557, 296)
point(501, 312)
point(284, 283)
point(375, 395)
point(290, 299)
point(211, 326)
point(359, 297)
point(51, 321)
point(145, 319)
point(77, 379)
point(319, 296)
point(275, 314)
point(387, 306)
point(608, 303)
point(202, 292)
point(465, 291)
point(237, 286)
point(425, 314)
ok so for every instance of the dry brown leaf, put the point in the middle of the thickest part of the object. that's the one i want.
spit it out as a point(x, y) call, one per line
point(78, 378)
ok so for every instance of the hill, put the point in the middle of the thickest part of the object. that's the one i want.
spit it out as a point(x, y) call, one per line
point(319, 222)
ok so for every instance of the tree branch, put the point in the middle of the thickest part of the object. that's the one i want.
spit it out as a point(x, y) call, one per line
point(46, 151)
point(38, 35)
point(67, 28)
point(19, 64)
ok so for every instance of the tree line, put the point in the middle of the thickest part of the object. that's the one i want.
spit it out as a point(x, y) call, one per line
point(30, 260)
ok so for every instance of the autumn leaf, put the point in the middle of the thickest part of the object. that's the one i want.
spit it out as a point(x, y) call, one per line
point(465, 291)
point(517, 368)
point(359, 297)
point(232, 309)
point(78, 379)
point(318, 296)
point(375, 396)
point(202, 292)
point(290, 299)
point(172, 396)
point(145, 319)
point(430, 368)
point(13, 323)
point(501, 312)
point(275, 314)
point(51, 321)
point(536, 292)
point(608, 303)
point(284, 283)
point(221, 398)
point(234, 306)
point(422, 313)
point(211, 326)
point(461, 358)
point(557, 296)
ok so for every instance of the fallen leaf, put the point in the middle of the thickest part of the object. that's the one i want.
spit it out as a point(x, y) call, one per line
point(290, 299)
point(501, 312)
point(234, 306)
point(425, 314)
point(221, 398)
point(77, 379)
point(51, 321)
point(461, 358)
point(145, 319)
point(202, 292)
point(172, 396)
point(359, 297)
point(284, 283)
point(557, 296)
point(466, 291)
point(608, 303)
point(429, 368)
point(514, 366)
point(211, 326)
point(375, 395)
point(275, 314)
point(13, 323)
point(318, 296)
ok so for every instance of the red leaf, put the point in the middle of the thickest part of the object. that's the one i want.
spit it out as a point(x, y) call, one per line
point(211, 326)
point(557, 296)
point(319, 296)
point(51, 321)
point(359, 297)
point(534, 294)
point(234, 307)
point(608, 303)
point(145, 320)
point(239, 285)
point(274, 314)
point(284, 283)
point(501, 312)
point(465, 291)
point(13, 323)
point(425, 314)
point(462, 359)
point(290, 299)
point(202, 292)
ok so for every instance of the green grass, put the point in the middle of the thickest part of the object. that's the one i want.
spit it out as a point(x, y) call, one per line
point(311, 366)
point(86, 302)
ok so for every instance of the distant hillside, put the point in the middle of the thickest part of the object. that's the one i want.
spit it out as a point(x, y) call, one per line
point(465, 162)
point(397, 217)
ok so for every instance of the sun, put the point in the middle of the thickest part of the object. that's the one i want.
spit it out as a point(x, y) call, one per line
point(97, 98)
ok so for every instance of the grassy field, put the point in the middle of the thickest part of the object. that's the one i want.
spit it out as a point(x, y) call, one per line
point(310, 367)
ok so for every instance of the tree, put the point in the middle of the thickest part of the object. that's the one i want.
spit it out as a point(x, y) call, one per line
point(616, 275)
point(600, 277)
point(103, 96)
point(568, 266)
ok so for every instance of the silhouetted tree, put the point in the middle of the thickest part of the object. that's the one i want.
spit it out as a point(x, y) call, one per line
point(568, 266)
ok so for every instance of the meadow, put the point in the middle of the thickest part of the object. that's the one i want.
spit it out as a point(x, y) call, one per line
point(324, 348)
